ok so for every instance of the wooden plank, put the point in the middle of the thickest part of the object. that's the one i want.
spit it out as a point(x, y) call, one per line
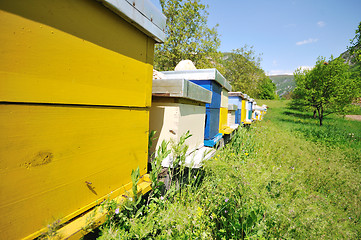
point(58, 161)
point(181, 88)
point(223, 119)
point(244, 111)
point(72, 52)
point(224, 98)
point(172, 120)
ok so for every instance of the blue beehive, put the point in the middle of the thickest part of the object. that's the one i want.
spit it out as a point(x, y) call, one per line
point(212, 80)
point(212, 123)
point(216, 90)
point(236, 99)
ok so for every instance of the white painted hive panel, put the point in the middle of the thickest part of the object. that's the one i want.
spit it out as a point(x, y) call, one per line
point(172, 120)
point(224, 98)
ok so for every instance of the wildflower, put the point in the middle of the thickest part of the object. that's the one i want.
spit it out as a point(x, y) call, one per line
point(199, 211)
point(226, 200)
point(293, 168)
point(225, 211)
point(161, 198)
point(246, 154)
point(116, 211)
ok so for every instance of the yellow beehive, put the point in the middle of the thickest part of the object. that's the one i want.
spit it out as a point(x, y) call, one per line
point(244, 111)
point(74, 107)
point(223, 121)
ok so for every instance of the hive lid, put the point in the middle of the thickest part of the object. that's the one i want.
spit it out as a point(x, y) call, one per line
point(257, 107)
point(200, 74)
point(232, 107)
point(142, 14)
point(180, 88)
point(238, 94)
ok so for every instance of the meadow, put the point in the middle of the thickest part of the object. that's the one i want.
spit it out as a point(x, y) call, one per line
point(283, 178)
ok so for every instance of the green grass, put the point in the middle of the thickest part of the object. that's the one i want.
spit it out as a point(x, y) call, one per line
point(285, 178)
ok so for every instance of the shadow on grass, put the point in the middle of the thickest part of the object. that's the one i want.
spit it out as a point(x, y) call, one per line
point(297, 122)
point(304, 115)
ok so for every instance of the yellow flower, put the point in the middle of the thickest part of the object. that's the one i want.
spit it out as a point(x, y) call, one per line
point(199, 211)
point(246, 154)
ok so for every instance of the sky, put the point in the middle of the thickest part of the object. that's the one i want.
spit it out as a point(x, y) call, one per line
point(288, 33)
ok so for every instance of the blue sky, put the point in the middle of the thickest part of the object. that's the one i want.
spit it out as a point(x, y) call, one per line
point(289, 33)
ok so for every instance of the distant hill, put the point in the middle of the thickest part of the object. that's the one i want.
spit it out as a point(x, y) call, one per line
point(284, 83)
point(355, 66)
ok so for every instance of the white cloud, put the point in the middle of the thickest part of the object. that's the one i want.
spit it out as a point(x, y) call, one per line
point(286, 72)
point(321, 23)
point(279, 72)
point(310, 40)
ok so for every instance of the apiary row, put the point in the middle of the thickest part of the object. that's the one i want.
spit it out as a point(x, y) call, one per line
point(77, 102)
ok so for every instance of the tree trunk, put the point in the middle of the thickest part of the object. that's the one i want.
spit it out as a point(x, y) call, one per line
point(320, 115)
point(314, 113)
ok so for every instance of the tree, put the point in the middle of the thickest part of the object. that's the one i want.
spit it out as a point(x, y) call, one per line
point(243, 71)
point(267, 89)
point(355, 48)
point(327, 88)
point(355, 55)
point(188, 36)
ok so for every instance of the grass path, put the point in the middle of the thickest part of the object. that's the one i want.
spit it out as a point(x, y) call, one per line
point(285, 178)
point(310, 188)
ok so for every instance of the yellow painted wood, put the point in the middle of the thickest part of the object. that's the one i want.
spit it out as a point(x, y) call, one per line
point(243, 111)
point(95, 217)
point(58, 161)
point(227, 130)
point(223, 120)
point(72, 52)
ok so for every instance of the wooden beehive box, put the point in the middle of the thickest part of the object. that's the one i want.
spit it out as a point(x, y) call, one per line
point(224, 98)
point(236, 99)
point(75, 93)
point(212, 80)
point(250, 109)
point(178, 106)
point(232, 109)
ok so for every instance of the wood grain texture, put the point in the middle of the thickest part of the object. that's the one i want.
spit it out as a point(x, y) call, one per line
point(72, 52)
point(223, 119)
point(56, 161)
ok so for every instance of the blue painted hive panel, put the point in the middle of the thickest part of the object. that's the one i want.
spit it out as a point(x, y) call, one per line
point(238, 116)
point(235, 100)
point(212, 123)
point(216, 90)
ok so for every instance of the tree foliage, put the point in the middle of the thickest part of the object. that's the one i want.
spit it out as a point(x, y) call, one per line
point(355, 55)
point(327, 88)
point(243, 71)
point(267, 89)
point(188, 36)
point(355, 47)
